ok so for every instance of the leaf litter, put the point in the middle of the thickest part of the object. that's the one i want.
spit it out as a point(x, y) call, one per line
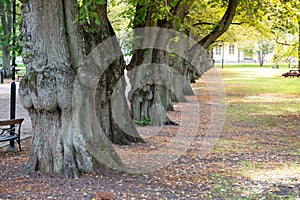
point(247, 162)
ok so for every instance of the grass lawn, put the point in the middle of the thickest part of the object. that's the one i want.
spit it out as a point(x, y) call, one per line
point(258, 93)
point(22, 68)
point(261, 135)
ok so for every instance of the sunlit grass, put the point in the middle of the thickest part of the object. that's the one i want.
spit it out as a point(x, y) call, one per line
point(260, 80)
point(262, 123)
point(260, 93)
point(251, 65)
point(285, 174)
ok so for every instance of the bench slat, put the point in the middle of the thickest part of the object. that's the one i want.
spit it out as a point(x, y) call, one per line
point(11, 122)
point(8, 137)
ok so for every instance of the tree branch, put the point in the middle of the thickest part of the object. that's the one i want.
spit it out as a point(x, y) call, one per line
point(285, 43)
point(209, 23)
point(182, 8)
point(222, 26)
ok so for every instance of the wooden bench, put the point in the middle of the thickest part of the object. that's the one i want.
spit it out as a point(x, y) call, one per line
point(11, 130)
point(292, 73)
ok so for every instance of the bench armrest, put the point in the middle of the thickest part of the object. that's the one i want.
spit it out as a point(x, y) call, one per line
point(11, 130)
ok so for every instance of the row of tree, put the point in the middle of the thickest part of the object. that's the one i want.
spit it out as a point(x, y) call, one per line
point(62, 70)
point(74, 83)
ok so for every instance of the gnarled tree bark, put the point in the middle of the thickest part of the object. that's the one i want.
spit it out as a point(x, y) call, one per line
point(149, 95)
point(152, 99)
point(74, 123)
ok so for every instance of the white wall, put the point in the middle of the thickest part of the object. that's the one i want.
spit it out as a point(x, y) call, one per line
point(237, 56)
point(230, 53)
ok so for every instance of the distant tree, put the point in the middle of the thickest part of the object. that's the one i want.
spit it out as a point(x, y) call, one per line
point(259, 42)
point(264, 47)
point(284, 17)
point(6, 33)
point(9, 36)
point(286, 47)
point(263, 19)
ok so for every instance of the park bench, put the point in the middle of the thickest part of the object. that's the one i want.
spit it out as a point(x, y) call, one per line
point(11, 130)
point(292, 73)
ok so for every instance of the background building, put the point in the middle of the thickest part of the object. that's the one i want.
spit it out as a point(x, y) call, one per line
point(231, 53)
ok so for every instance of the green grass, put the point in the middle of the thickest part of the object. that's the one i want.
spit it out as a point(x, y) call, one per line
point(227, 186)
point(22, 68)
point(262, 117)
point(252, 65)
point(257, 81)
point(258, 96)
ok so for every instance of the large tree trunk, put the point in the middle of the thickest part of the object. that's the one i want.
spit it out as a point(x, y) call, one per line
point(6, 22)
point(159, 79)
point(69, 94)
point(151, 80)
point(153, 83)
point(152, 100)
point(112, 109)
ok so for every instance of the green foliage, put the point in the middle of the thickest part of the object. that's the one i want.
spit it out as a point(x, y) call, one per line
point(6, 39)
point(284, 15)
point(139, 11)
point(115, 15)
point(204, 16)
point(88, 13)
point(284, 19)
point(136, 12)
point(144, 121)
point(257, 25)
point(5, 2)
